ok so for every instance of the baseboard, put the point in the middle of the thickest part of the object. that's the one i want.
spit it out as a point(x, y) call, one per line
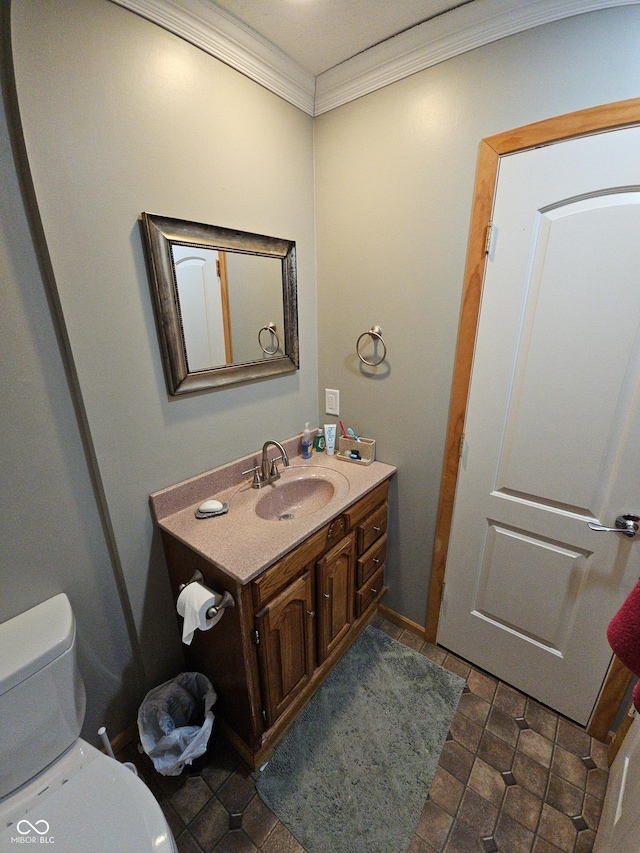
point(401, 621)
point(124, 738)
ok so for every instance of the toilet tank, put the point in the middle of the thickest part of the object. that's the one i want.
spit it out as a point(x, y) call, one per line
point(42, 697)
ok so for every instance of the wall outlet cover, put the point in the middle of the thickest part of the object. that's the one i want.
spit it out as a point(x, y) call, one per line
point(331, 401)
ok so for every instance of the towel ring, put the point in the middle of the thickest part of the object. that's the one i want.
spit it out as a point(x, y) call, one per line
point(271, 327)
point(375, 333)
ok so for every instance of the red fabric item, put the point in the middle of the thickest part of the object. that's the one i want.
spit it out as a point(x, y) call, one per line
point(623, 635)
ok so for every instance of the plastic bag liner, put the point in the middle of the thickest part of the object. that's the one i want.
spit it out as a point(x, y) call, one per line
point(175, 721)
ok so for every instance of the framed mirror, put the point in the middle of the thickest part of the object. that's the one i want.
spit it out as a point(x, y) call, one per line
point(226, 303)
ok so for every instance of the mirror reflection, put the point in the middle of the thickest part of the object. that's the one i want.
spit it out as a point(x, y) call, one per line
point(226, 303)
point(255, 294)
point(227, 300)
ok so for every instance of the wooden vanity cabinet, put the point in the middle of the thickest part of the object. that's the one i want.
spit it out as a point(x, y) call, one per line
point(291, 624)
point(301, 626)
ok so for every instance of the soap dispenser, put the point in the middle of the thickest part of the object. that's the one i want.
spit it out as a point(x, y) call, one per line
point(307, 442)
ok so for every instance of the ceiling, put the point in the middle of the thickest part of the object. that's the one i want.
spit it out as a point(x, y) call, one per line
point(320, 54)
point(319, 34)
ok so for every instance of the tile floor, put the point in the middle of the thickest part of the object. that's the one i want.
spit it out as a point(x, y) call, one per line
point(513, 777)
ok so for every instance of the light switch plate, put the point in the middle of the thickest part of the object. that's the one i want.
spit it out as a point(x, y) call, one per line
point(331, 401)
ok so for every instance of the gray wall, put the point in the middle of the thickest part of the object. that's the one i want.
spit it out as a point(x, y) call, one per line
point(50, 529)
point(394, 185)
point(121, 117)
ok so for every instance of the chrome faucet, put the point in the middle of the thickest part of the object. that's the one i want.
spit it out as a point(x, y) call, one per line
point(267, 472)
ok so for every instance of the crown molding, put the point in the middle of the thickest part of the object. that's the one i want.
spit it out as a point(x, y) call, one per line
point(223, 36)
point(449, 35)
point(462, 29)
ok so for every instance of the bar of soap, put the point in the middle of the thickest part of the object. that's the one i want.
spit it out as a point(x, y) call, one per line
point(211, 506)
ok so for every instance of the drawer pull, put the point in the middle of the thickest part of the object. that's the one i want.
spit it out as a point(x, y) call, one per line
point(376, 561)
point(326, 595)
point(377, 529)
point(311, 613)
point(374, 591)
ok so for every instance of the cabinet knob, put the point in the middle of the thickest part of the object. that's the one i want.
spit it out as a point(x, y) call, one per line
point(326, 595)
point(311, 613)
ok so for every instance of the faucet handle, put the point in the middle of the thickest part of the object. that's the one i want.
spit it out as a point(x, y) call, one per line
point(274, 474)
point(257, 481)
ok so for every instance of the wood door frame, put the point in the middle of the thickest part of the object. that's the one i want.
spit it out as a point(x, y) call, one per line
point(581, 123)
point(224, 300)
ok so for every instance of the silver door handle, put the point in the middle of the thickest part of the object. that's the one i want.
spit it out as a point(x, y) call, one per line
point(627, 524)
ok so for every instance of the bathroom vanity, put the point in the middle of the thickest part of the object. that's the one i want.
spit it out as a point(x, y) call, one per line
point(303, 559)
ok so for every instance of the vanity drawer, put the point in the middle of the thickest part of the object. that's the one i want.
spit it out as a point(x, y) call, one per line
point(371, 561)
point(367, 504)
point(274, 580)
point(371, 528)
point(371, 589)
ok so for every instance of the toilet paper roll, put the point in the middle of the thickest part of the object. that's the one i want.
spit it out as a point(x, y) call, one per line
point(193, 603)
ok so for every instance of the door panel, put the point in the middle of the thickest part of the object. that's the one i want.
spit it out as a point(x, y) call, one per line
point(558, 571)
point(568, 358)
point(552, 427)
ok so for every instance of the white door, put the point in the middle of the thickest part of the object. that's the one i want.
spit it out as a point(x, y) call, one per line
point(619, 826)
point(552, 432)
point(201, 314)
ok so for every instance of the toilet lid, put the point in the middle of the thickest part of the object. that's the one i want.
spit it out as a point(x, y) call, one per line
point(104, 808)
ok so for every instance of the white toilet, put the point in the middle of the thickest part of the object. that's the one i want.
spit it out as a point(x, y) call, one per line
point(54, 787)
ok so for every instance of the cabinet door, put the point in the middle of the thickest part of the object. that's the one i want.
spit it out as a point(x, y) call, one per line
point(286, 648)
point(335, 576)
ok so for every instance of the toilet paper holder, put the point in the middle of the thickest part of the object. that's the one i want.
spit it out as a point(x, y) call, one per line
point(227, 598)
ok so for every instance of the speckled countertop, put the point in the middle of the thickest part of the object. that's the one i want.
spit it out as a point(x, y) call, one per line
point(241, 543)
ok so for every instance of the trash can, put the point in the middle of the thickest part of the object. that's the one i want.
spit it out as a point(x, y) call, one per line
point(175, 722)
